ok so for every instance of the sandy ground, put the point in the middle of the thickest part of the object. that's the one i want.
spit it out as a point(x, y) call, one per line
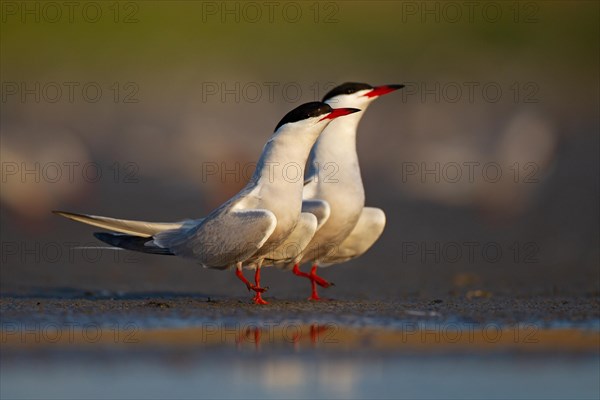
point(151, 310)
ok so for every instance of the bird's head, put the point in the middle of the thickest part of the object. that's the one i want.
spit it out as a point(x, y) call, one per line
point(313, 116)
point(357, 95)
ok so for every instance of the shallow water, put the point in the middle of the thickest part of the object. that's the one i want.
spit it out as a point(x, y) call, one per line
point(313, 375)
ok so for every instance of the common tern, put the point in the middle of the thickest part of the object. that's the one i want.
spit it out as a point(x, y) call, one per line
point(250, 224)
point(346, 229)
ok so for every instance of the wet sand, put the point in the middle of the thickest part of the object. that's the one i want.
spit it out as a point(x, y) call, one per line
point(539, 324)
point(446, 338)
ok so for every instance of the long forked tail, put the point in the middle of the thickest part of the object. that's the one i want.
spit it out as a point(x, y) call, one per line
point(130, 227)
point(130, 235)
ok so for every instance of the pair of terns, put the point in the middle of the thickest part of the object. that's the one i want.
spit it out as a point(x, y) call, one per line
point(275, 220)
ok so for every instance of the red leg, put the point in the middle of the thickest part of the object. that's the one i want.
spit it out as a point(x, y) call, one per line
point(314, 280)
point(240, 275)
point(257, 289)
point(258, 296)
point(297, 271)
point(320, 281)
point(314, 295)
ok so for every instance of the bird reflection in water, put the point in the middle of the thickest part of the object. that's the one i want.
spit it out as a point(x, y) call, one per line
point(292, 334)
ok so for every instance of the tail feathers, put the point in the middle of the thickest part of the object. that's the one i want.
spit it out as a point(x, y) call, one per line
point(135, 228)
point(132, 242)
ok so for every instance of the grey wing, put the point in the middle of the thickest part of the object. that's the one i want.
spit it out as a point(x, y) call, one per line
point(295, 243)
point(319, 208)
point(368, 229)
point(221, 240)
point(311, 176)
point(311, 172)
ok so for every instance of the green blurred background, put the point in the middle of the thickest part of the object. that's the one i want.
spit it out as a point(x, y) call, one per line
point(164, 114)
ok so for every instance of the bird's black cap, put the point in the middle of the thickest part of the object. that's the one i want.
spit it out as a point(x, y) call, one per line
point(346, 88)
point(306, 110)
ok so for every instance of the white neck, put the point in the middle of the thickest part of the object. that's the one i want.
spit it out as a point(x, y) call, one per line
point(285, 155)
point(334, 154)
point(279, 176)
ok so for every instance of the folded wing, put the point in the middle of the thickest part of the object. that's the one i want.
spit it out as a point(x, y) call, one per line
point(319, 208)
point(291, 249)
point(222, 240)
point(366, 232)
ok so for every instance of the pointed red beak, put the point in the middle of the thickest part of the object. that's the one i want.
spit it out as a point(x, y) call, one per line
point(338, 112)
point(381, 90)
